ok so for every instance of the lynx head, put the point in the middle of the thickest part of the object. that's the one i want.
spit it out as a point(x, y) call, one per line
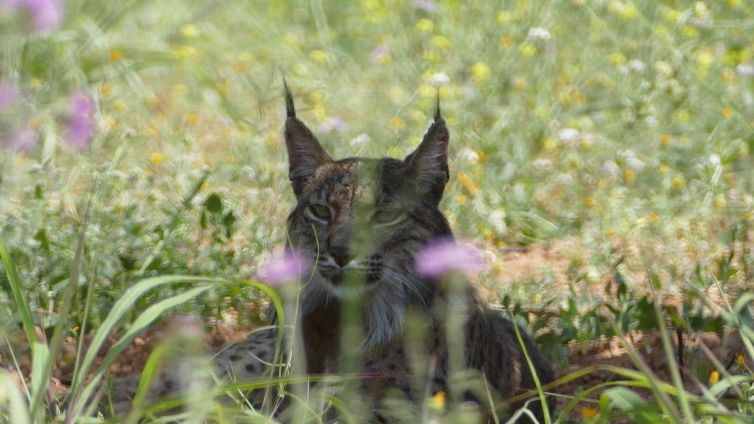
point(363, 221)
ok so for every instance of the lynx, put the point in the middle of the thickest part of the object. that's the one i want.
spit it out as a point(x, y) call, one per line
point(361, 222)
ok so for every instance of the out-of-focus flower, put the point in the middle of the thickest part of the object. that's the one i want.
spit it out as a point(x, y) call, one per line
point(542, 163)
point(9, 93)
point(480, 72)
point(360, 139)
point(396, 123)
point(446, 255)
point(714, 160)
point(425, 5)
point(588, 412)
point(745, 69)
point(539, 34)
point(636, 65)
point(714, 377)
point(381, 54)
point(45, 15)
point(332, 124)
point(425, 25)
point(437, 402)
point(23, 139)
point(283, 269)
point(439, 78)
point(81, 120)
point(568, 134)
point(740, 360)
point(156, 158)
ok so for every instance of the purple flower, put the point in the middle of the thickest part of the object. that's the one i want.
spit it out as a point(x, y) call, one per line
point(81, 120)
point(426, 5)
point(283, 269)
point(46, 15)
point(9, 93)
point(379, 53)
point(445, 255)
point(22, 139)
point(332, 124)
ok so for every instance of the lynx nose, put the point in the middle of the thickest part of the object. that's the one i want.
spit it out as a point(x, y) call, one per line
point(341, 255)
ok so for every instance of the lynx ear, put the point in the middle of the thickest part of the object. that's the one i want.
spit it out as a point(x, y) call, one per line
point(428, 164)
point(305, 153)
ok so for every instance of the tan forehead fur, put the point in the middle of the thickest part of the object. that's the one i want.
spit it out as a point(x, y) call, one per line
point(358, 185)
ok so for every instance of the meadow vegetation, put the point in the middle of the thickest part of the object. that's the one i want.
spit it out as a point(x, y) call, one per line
point(601, 158)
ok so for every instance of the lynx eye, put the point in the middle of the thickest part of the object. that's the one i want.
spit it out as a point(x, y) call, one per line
point(386, 217)
point(319, 212)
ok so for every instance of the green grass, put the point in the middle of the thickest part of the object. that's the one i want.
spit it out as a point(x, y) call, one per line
point(622, 130)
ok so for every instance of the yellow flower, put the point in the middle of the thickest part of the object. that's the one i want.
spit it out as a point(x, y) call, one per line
point(588, 412)
point(119, 106)
point(589, 202)
point(424, 25)
point(677, 182)
point(506, 41)
point(115, 55)
point(189, 31)
point(192, 118)
point(427, 91)
point(396, 123)
point(466, 182)
point(441, 42)
point(714, 377)
point(105, 90)
point(461, 199)
point(186, 52)
point(665, 139)
point(437, 401)
point(720, 201)
point(537, 297)
point(689, 31)
point(629, 175)
point(617, 58)
point(480, 72)
point(156, 158)
point(318, 56)
point(727, 112)
point(527, 50)
point(504, 17)
point(740, 360)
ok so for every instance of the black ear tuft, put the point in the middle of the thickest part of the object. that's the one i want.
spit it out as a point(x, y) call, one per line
point(305, 153)
point(437, 108)
point(428, 164)
point(290, 110)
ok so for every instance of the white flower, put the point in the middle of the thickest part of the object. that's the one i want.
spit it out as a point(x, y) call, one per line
point(360, 139)
point(540, 33)
point(745, 69)
point(470, 155)
point(568, 134)
point(610, 168)
point(636, 65)
point(439, 78)
point(714, 159)
point(542, 164)
point(497, 221)
point(635, 163)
